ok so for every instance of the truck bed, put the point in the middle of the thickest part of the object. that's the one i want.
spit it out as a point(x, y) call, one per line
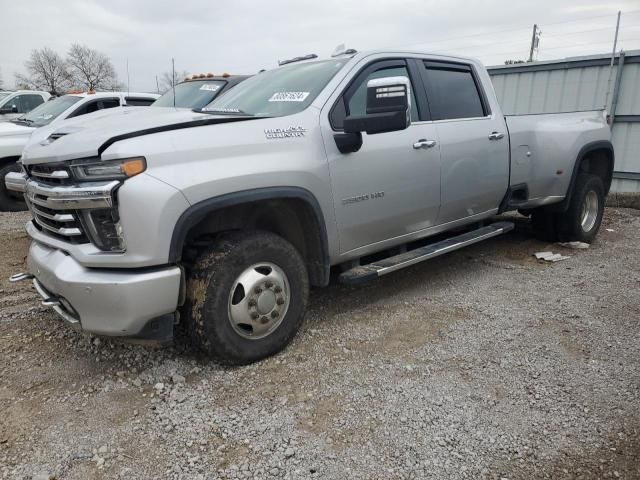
point(544, 148)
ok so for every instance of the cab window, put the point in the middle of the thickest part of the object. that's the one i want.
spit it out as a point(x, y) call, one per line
point(453, 91)
point(95, 105)
point(29, 102)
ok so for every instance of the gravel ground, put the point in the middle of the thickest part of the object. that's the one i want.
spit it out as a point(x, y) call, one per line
point(481, 364)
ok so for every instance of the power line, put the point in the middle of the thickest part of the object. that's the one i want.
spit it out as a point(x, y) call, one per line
point(527, 28)
point(589, 18)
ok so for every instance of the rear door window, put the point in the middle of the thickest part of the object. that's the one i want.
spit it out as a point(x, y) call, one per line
point(30, 102)
point(453, 91)
point(109, 103)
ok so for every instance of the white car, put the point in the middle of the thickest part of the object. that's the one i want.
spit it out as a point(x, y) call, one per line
point(15, 134)
point(16, 104)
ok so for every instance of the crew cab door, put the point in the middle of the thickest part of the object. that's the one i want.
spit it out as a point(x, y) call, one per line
point(474, 142)
point(390, 187)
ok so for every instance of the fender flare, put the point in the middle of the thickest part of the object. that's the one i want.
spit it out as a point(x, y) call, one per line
point(584, 151)
point(197, 212)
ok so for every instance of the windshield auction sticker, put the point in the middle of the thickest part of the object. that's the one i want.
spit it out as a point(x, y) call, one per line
point(289, 96)
point(211, 87)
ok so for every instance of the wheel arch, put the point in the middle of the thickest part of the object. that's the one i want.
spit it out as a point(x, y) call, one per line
point(291, 212)
point(594, 157)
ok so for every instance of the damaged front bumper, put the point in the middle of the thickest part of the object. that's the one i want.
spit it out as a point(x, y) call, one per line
point(138, 303)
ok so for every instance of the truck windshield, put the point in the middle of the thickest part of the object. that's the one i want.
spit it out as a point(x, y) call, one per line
point(191, 94)
point(278, 92)
point(44, 114)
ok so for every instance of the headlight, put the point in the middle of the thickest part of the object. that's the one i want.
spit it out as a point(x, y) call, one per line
point(120, 169)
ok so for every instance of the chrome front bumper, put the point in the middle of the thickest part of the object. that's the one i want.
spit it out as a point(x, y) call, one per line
point(103, 301)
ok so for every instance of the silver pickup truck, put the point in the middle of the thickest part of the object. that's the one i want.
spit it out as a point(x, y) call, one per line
point(220, 220)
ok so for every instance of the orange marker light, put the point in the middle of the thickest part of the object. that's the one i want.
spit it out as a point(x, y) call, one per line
point(132, 167)
point(225, 75)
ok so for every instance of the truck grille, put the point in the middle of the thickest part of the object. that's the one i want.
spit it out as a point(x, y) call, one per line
point(63, 224)
point(66, 211)
point(51, 175)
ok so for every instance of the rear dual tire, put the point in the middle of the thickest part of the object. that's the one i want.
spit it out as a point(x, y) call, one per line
point(581, 221)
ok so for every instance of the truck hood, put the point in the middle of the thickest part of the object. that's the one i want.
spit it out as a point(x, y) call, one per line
point(91, 138)
point(9, 129)
point(69, 125)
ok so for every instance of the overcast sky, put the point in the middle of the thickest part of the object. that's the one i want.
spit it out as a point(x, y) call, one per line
point(240, 36)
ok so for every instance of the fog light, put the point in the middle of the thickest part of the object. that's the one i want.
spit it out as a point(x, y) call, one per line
point(104, 229)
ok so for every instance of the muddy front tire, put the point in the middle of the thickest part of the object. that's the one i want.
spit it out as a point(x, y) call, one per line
point(246, 297)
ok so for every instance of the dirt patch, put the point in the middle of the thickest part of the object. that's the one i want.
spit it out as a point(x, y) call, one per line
point(480, 364)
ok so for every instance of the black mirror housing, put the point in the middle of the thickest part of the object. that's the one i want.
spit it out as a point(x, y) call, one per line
point(388, 107)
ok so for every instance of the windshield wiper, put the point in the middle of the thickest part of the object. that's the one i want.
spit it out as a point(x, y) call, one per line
point(22, 121)
point(224, 112)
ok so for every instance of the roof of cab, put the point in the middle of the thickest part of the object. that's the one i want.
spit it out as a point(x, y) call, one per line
point(111, 94)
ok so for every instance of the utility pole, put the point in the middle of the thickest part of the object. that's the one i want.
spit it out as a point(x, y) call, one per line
point(157, 85)
point(535, 41)
point(613, 57)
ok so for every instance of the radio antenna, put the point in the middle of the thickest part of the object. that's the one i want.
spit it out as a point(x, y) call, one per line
point(173, 80)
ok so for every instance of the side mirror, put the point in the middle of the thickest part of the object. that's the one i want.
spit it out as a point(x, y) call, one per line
point(388, 107)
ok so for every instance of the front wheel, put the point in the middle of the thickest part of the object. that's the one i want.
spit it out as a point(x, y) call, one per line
point(246, 297)
point(582, 219)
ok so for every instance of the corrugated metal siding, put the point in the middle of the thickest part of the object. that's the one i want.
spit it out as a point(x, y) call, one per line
point(573, 85)
point(552, 91)
point(629, 99)
point(626, 142)
point(626, 186)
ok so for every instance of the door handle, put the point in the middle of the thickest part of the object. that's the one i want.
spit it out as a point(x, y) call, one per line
point(423, 143)
point(496, 135)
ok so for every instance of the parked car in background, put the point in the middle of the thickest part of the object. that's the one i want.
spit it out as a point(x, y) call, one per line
point(198, 90)
point(16, 104)
point(222, 219)
point(15, 134)
point(193, 93)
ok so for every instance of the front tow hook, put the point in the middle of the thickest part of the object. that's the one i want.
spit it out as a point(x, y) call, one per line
point(19, 277)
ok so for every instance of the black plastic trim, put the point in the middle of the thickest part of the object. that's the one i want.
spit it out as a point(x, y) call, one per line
point(196, 213)
point(348, 142)
point(584, 151)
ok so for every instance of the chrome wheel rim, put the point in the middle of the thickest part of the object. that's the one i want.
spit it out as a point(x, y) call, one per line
point(259, 300)
point(589, 211)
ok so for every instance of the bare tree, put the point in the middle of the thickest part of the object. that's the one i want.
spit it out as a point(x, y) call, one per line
point(90, 69)
point(1, 82)
point(166, 80)
point(46, 70)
